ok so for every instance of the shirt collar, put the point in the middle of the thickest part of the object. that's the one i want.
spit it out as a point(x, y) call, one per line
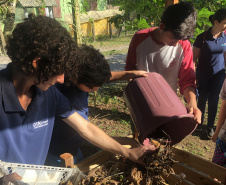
point(9, 97)
point(211, 36)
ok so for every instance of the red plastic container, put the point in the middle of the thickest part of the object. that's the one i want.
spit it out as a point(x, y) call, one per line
point(156, 109)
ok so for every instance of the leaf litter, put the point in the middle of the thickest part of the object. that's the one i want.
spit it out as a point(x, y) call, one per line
point(122, 171)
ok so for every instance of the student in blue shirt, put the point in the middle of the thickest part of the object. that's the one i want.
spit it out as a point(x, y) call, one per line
point(41, 51)
point(96, 72)
point(209, 56)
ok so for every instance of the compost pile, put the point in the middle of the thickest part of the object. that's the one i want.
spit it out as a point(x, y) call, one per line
point(120, 170)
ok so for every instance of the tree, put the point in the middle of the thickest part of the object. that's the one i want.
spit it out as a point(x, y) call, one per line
point(6, 11)
point(141, 14)
point(205, 8)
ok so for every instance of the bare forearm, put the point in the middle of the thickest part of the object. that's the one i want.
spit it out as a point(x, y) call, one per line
point(190, 96)
point(126, 75)
point(95, 135)
point(119, 75)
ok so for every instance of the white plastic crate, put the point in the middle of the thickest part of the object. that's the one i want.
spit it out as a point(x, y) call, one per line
point(39, 175)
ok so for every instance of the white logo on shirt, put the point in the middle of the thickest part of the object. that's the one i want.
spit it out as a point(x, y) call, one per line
point(39, 124)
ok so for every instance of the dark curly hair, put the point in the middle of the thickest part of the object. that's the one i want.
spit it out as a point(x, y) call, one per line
point(219, 16)
point(90, 68)
point(180, 20)
point(44, 39)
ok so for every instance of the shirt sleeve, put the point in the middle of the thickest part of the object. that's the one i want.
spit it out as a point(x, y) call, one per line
point(187, 76)
point(138, 38)
point(223, 91)
point(199, 41)
point(63, 106)
point(77, 98)
point(131, 63)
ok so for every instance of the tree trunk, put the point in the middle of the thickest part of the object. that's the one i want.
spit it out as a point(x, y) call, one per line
point(93, 30)
point(2, 40)
point(76, 22)
point(110, 29)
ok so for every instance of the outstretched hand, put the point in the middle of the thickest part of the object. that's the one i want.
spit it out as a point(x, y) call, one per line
point(214, 137)
point(138, 154)
point(197, 113)
point(140, 73)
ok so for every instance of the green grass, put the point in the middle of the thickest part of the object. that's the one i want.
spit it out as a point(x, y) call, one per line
point(108, 46)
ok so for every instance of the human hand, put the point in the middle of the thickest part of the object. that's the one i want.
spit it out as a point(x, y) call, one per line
point(138, 154)
point(214, 137)
point(5, 180)
point(140, 73)
point(197, 113)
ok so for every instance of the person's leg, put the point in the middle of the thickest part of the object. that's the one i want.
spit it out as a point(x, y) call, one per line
point(216, 83)
point(202, 98)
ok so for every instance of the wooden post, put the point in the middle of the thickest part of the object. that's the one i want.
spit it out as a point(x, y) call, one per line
point(2, 39)
point(76, 22)
point(67, 160)
point(170, 2)
point(110, 28)
point(93, 29)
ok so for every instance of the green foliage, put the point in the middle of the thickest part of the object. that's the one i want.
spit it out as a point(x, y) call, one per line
point(137, 24)
point(101, 5)
point(106, 99)
point(118, 20)
point(83, 6)
point(4, 9)
point(211, 5)
point(203, 22)
point(205, 8)
point(139, 14)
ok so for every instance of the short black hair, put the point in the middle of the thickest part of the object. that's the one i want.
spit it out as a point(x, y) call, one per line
point(180, 20)
point(44, 39)
point(90, 68)
point(219, 16)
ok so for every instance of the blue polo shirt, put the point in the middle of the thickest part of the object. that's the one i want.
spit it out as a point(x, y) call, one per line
point(64, 138)
point(25, 135)
point(211, 59)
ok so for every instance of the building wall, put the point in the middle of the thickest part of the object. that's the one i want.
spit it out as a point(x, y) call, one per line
point(101, 28)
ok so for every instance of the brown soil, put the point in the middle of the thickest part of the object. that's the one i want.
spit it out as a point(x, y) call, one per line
point(119, 170)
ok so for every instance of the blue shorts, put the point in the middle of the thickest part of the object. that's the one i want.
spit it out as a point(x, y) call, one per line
point(219, 156)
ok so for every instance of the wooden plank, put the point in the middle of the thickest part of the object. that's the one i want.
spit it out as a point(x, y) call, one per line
point(192, 175)
point(94, 160)
point(175, 179)
point(203, 165)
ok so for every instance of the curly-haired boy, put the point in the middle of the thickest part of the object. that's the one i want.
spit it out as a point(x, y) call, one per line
point(42, 51)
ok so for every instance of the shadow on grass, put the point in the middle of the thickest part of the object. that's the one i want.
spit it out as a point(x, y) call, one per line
point(114, 115)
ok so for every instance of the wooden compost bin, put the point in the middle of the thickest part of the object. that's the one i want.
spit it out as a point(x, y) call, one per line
point(197, 170)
